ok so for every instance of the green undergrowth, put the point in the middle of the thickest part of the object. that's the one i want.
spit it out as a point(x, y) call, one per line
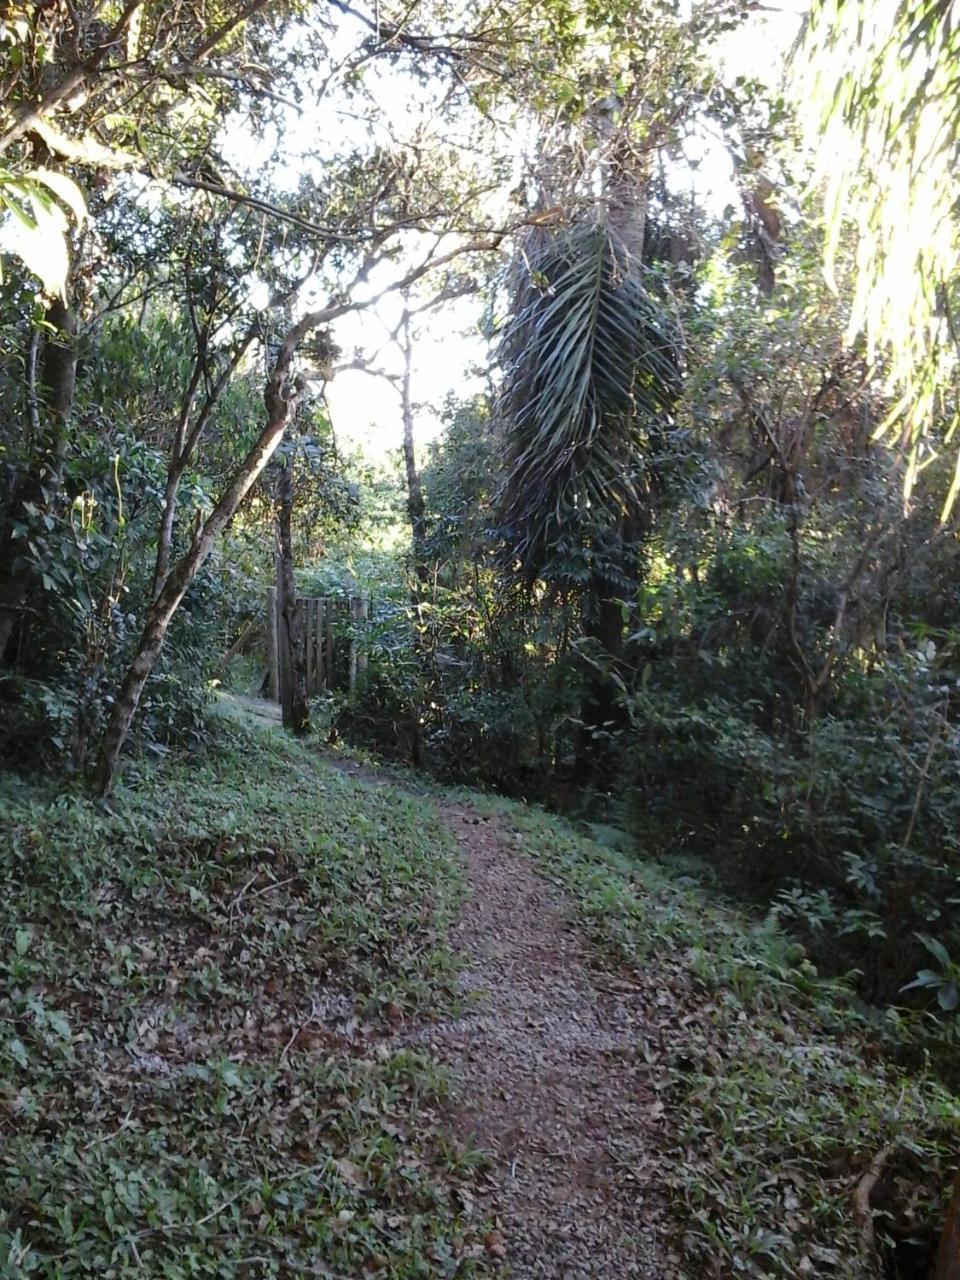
point(196, 990)
point(778, 1089)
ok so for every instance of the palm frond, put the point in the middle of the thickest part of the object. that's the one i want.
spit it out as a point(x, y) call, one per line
point(592, 365)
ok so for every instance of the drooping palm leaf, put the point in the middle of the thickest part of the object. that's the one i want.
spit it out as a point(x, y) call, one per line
point(592, 367)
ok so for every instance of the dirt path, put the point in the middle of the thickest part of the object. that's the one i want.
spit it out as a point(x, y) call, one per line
point(549, 1078)
point(549, 1072)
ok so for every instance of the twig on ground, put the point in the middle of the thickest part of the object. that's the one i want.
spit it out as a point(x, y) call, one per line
point(861, 1197)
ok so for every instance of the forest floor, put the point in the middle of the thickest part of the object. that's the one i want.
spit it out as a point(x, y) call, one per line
point(274, 1012)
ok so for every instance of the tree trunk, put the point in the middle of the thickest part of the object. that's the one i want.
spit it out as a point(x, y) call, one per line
point(280, 399)
point(273, 656)
point(416, 511)
point(416, 507)
point(293, 687)
point(603, 623)
point(58, 381)
point(948, 1256)
point(185, 441)
point(168, 518)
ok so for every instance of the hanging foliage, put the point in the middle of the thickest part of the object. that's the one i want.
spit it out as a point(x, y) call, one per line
point(876, 87)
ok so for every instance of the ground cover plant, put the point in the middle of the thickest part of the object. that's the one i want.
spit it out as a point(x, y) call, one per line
point(196, 989)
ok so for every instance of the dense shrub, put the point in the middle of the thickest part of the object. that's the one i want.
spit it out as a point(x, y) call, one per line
point(850, 829)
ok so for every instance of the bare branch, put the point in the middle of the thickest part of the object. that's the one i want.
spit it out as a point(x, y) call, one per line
point(218, 36)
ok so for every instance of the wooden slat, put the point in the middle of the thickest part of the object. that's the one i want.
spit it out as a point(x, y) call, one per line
point(273, 657)
point(307, 607)
point(328, 628)
point(318, 643)
point(354, 618)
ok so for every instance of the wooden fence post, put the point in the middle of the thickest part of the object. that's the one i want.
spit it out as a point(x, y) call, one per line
point(354, 619)
point(318, 645)
point(273, 668)
point(328, 636)
point(307, 606)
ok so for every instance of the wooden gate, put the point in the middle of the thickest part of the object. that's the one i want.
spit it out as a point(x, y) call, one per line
point(326, 665)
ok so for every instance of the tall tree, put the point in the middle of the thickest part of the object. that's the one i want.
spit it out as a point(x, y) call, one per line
point(592, 373)
point(284, 392)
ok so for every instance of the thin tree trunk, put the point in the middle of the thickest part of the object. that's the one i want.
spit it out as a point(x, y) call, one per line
point(280, 398)
point(185, 443)
point(58, 380)
point(60, 370)
point(416, 512)
point(603, 623)
point(252, 629)
point(416, 507)
point(948, 1256)
point(273, 656)
point(175, 469)
point(293, 691)
point(168, 517)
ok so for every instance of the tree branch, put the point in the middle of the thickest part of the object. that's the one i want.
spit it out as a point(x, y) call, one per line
point(29, 117)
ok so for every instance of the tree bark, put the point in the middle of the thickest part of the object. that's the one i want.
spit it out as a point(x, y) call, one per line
point(603, 623)
point(416, 507)
point(58, 382)
point(948, 1256)
point(168, 517)
point(280, 399)
point(416, 512)
point(294, 704)
point(273, 656)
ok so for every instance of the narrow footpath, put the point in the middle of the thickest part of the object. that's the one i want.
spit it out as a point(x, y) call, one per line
point(548, 1070)
point(549, 1076)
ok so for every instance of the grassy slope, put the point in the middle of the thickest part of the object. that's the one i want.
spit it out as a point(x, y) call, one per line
point(168, 1109)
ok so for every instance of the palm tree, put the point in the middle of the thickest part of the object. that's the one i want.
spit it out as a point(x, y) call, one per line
point(592, 374)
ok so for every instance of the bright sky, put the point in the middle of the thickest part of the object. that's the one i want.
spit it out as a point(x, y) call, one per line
point(450, 353)
point(366, 410)
point(449, 349)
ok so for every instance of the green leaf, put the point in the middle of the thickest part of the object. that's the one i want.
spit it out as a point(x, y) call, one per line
point(18, 210)
point(43, 247)
point(936, 949)
point(65, 189)
point(18, 1052)
point(55, 1019)
point(925, 978)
